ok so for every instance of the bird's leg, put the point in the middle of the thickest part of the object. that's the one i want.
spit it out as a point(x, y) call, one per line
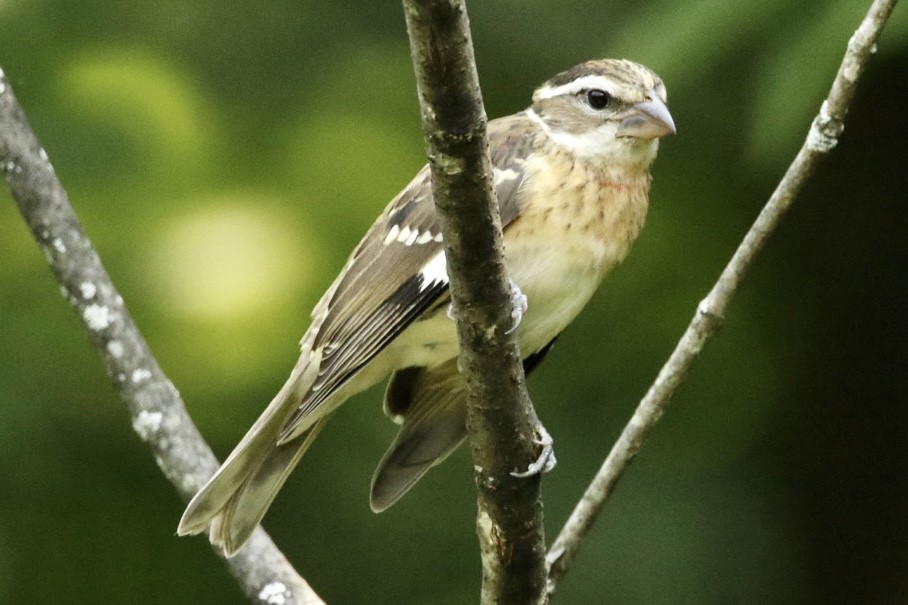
point(546, 460)
point(519, 306)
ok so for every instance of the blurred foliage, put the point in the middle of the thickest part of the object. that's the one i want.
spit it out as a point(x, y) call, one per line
point(225, 157)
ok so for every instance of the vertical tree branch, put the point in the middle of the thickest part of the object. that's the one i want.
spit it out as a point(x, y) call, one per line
point(821, 140)
point(157, 411)
point(501, 419)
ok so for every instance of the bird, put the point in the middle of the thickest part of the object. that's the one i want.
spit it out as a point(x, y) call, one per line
point(572, 178)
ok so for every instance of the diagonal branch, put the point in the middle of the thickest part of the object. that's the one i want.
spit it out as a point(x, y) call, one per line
point(501, 419)
point(821, 140)
point(157, 411)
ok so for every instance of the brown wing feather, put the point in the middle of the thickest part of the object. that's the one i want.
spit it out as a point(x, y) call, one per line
point(380, 291)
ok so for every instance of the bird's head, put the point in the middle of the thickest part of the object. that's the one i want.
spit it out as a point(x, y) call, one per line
point(607, 110)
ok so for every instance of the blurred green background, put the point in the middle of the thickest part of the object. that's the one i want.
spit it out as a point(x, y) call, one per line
point(225, 157)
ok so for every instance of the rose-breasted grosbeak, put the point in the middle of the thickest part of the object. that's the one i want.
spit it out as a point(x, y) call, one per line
point(572, 178)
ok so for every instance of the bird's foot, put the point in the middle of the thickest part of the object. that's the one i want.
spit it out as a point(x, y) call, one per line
point(519, 306)
point(545, 461)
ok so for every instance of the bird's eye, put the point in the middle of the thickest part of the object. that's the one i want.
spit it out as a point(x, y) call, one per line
point(598, 99)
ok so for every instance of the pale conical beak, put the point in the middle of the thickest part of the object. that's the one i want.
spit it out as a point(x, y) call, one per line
point(647, 120)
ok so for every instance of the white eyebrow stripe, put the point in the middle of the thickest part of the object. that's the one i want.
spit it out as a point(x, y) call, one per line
point(575, 86)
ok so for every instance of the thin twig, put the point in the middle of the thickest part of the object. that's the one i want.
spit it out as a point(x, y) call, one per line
point(501, 421)
point(158, 414)
point(821, 139)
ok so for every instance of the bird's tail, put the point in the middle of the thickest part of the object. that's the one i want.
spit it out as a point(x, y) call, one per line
point(236, 498)
point(433, 405)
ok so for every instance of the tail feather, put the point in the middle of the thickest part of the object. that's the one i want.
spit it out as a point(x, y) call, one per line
point(234, 523)
point(236, 498)
point(434, 425)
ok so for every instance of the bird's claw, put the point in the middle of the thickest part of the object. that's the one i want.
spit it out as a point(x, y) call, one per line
point(545, 461)
point(519, 306)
